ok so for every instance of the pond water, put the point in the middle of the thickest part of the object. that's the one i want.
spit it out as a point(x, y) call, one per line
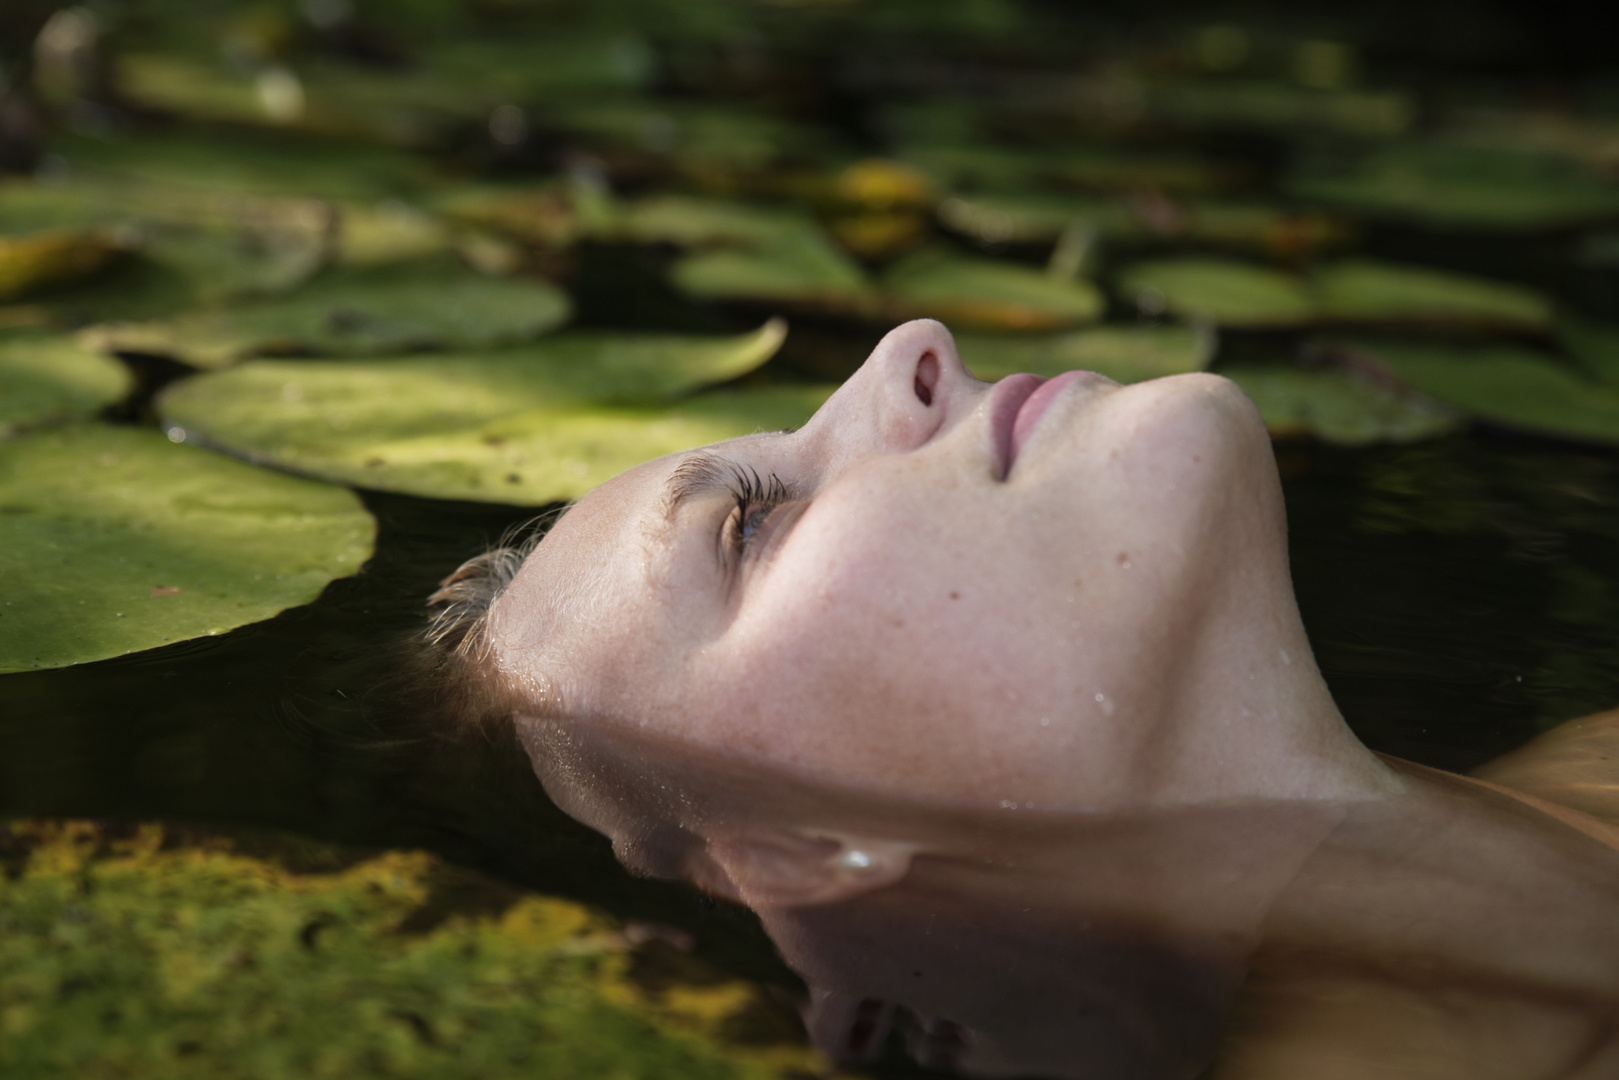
point(1459, 581)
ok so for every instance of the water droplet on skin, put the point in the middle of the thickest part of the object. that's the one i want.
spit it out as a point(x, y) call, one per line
point(1045, 721)
point(855, 860)
point(1286, 659)
point(1106, 705)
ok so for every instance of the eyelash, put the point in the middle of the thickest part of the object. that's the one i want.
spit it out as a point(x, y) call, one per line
point(750, 490)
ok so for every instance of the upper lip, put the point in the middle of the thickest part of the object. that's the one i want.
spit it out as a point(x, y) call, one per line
point(1004, 402)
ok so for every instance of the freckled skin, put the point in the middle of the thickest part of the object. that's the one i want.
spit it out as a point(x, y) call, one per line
point(908, 628)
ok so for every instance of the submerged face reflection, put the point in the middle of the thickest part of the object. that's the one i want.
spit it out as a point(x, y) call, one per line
point(995, 592)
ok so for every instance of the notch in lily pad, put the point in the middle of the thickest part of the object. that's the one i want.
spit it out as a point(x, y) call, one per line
point(116, 540)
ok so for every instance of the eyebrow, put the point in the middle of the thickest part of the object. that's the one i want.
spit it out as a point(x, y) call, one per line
point(704, 471)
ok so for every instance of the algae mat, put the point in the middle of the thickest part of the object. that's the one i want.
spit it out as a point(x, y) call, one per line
point(123, 953)
point(114, 540)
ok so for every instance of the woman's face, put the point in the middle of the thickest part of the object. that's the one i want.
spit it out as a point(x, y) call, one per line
point(968, 590)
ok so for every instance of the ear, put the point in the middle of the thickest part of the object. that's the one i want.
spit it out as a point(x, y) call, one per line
point(774, 869)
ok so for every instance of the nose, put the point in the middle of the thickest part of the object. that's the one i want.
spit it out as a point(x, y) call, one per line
point(911, 388)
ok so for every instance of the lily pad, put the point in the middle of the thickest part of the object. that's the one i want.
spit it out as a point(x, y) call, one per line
point(1596, 346)
point(527, 426)
point(696, 222)
point(1276, 106)
point(1222, 291)
point(117, 540)
point(1124, 354)
point(803, 268)
point(1340, 407)
point(353, 314)
point(44, 379)
point(1453, 186)
point(207, 166)
point(1369, 291)
point(48, 259)
point(987, 294)
point(1507, 385)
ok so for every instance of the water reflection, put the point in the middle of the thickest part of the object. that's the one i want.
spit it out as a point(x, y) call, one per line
point(1460, 928)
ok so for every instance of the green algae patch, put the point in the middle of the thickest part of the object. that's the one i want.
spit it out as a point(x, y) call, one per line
point(1125, 354)
point(528, 426)
point(45, 378)
point(375, 313)
point(1508, 385)
point(1222, 291)
point(987, 294)
point(124, 953)
point(114, 540)
point(1340, 407)
point(1365, 290)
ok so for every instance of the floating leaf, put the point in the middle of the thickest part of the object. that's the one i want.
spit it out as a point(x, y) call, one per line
point(45, 379)
point(528, 426)
point(203, 168)
point(1340, 407)
point(696, 222)
point(1461, 187)
point(1369, 291)
point(977, 163)
point(1278, 106)
point(802, 267)
point(988, 294)
point(116, 540)
point(388, 232)
point(43, 260)
point(1596, 345)
point(1507, 385)
point(1033, 218)
point(356, 314)
point(1125, 354)
point(1220, 290)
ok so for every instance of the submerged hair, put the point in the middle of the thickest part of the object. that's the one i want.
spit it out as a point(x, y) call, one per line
point(459, 665)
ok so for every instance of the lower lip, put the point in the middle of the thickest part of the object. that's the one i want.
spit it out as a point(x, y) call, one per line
point(1035, 406)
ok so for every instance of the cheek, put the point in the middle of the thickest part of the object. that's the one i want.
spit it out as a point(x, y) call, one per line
point(876, 636)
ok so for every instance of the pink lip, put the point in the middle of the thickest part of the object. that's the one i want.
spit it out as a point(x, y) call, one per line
point(1018, 403)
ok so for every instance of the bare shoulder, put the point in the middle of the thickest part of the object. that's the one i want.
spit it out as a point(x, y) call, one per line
point(1575, 764)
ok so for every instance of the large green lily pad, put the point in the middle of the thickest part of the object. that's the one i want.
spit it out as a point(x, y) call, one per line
point(1222, 291)
point(116, 540)
point(1340, 407)
point(1123, 353)
point(1507, 385)
point(1369, 291)
point(526, 426)
point(44, 379)
point(1454, 186)
point(985, 293)
point(153, 952)
point(353, 314)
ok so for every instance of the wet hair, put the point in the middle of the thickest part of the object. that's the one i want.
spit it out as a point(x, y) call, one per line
point(457, 667)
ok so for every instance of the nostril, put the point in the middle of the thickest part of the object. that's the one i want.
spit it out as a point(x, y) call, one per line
point(927, 377)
